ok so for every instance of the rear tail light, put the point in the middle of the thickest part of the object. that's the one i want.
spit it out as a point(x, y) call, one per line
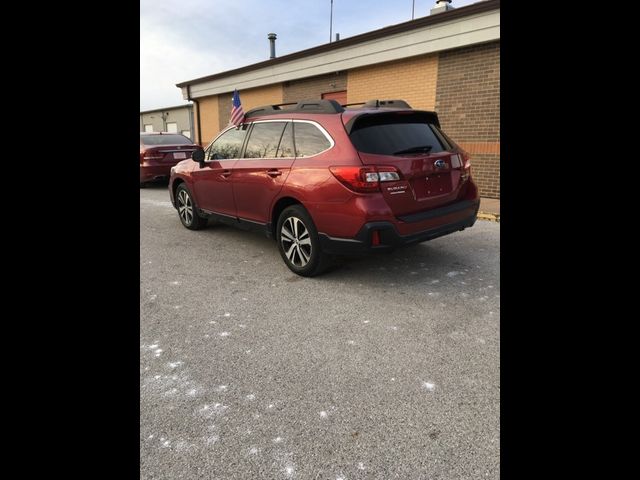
point(152, 156)
point(365, 179)
point(388, 174)
point(466, 162)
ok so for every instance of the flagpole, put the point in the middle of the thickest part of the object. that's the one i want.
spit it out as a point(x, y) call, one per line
point(331, 23)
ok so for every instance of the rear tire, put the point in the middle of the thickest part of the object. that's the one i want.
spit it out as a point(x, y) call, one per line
point(187, 210)
point(299, 243)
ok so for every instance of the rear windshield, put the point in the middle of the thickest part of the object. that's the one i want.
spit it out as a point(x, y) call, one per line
point(165, 140)
point(395, 134)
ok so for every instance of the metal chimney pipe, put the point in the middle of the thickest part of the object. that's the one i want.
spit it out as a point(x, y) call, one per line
point(337, 37)
point(441, 6)
point(331, 23)
point(272, 42)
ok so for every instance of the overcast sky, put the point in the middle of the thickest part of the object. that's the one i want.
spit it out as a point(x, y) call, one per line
point(185, 39)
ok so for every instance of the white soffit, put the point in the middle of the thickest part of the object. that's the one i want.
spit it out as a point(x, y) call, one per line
point(480, 28)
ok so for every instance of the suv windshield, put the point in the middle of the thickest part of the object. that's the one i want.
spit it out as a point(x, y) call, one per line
point(396, 134)
point(165, 140)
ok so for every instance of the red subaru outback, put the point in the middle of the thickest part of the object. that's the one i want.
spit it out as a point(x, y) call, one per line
point(323, 180)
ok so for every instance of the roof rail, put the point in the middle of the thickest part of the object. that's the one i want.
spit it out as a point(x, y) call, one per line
point(315, 106)
point(349, 104)
point(386, 104)
point(267, 109)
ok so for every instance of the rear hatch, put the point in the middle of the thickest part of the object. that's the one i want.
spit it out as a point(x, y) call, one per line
point(429, 165)
point(166, 148)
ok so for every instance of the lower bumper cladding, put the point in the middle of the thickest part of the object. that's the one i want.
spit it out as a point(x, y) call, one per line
point(387, 237)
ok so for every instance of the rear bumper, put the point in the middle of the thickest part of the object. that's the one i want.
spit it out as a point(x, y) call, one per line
point(465, 213)
point(149, 173)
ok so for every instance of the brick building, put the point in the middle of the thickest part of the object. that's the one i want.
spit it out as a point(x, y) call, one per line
point(448, 61)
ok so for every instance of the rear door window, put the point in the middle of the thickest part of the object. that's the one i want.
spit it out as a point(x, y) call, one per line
point(286, 148)
point(309, 140)
point(395, 135)
point(264, 140)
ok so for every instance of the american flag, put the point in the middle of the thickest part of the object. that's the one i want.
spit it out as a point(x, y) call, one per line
point(237, 114)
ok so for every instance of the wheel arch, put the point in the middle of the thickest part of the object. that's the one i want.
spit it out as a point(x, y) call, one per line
point(277, 209)
point(174, 188)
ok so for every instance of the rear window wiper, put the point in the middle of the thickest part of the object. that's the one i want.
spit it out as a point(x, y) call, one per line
point(418, 149)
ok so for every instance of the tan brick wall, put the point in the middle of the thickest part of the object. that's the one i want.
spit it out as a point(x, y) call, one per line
point(208, 118)
point(314, 87)
point(413, 80)
point(266, 95)
point(253, 97)
point(224, 108)
point(468, 105)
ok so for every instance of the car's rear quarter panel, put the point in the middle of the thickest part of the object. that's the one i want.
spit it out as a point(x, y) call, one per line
point(332, 206)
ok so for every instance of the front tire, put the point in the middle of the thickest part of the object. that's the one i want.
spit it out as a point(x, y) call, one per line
point(187, 210)
point(299, 243)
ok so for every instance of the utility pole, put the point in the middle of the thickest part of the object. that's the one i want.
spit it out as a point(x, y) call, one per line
point(331, 23)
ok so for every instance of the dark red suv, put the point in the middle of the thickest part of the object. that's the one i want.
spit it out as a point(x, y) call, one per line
point(325, 180)
point(161, 151)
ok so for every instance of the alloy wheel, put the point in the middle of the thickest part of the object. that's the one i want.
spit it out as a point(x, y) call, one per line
point(185, 207)
point(296, 241)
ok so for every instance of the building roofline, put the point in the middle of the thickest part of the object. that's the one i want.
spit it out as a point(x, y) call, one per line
point(189, 105)
point(474, 8)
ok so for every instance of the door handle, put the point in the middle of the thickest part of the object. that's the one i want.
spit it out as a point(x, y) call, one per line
point(226, 173)
point(274, 173)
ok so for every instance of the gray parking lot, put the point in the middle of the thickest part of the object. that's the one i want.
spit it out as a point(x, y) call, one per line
point(386, 367)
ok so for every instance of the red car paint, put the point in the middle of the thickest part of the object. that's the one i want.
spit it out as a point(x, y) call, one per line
point(425, 197)
point(156, 160)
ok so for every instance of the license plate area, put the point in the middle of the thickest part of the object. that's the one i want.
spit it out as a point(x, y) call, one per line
point(179, 155)
point(432, 185)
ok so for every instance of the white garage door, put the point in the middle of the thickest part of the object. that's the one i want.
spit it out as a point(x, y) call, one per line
point(148, 128)
point(172, 127)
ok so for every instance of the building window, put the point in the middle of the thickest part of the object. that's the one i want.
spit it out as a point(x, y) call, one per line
point(172, 127)
point(148, 128)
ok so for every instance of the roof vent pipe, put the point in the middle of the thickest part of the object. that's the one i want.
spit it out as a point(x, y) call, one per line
point(272, 42)
point(441, 6)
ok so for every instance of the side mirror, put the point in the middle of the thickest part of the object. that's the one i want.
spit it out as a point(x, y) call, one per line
point(198, 155)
